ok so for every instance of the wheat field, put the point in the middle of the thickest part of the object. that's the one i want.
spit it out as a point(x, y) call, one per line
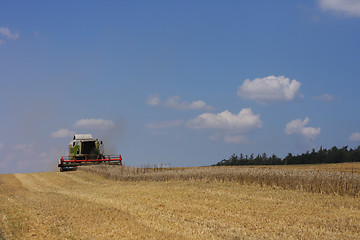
point(85, 205)
point(322, 178)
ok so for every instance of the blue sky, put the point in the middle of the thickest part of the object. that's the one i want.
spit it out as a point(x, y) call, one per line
point(182, 83)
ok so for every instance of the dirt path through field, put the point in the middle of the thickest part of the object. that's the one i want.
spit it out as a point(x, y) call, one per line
point(79, 205)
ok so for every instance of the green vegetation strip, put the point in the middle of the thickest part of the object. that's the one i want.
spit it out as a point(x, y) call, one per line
point(333, 155)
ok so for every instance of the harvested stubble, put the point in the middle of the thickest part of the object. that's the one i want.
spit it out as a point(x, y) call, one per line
point(81, 205)
point(336, 182)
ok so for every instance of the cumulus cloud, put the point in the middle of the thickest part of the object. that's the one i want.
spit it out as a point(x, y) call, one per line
point(62, 133)
point(165, 124)
point(95, 123)
point(325, 98)
point(235, 139)
point(153, 100)
point(228, 126)
point(27, 149)
point(175, 102)
point(269, 89)
point(355, 137)
point(297, 126)
point(8, 34)
point(347, 7)
point(244, 121)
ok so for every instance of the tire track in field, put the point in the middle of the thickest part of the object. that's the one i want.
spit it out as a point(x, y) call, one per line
point(80, 205)
point(150, 209)
point(74, 186)
point(82, 189)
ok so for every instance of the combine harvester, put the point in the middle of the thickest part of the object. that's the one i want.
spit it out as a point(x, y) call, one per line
point(84, 150)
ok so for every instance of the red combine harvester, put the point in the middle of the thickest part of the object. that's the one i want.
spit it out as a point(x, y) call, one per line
point(84, 150)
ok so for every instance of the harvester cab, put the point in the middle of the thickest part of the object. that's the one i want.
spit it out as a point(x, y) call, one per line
point(85, 150)
point(83, 145)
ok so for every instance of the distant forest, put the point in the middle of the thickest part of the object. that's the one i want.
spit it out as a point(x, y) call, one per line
point(323, 155)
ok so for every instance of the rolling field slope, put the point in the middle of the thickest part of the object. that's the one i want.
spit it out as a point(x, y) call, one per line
point(82, 205)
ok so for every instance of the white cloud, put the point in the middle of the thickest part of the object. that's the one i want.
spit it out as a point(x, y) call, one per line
point(27, 149)
point(153, 100)
point(355, 137)
point(165, 124)
point(244, 121)
point(8, 34)
point(7, 161)
point(297, 126)
point(269, 89)
point(44, 155)
point(95, 123)
point(235, 139)
point(214, 137)
point(347, 7)
point(62, 133)
point(175, 102)
point(325, 98)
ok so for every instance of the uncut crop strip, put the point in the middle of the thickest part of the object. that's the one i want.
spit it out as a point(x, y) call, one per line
point(342, 183)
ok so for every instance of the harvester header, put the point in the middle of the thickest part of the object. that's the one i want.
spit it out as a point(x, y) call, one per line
point(85, 150)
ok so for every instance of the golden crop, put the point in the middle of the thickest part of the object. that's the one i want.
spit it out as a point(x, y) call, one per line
point(316, 179)
point(181, 203)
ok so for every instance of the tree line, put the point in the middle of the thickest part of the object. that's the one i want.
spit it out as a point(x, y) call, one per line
point(323, 155)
